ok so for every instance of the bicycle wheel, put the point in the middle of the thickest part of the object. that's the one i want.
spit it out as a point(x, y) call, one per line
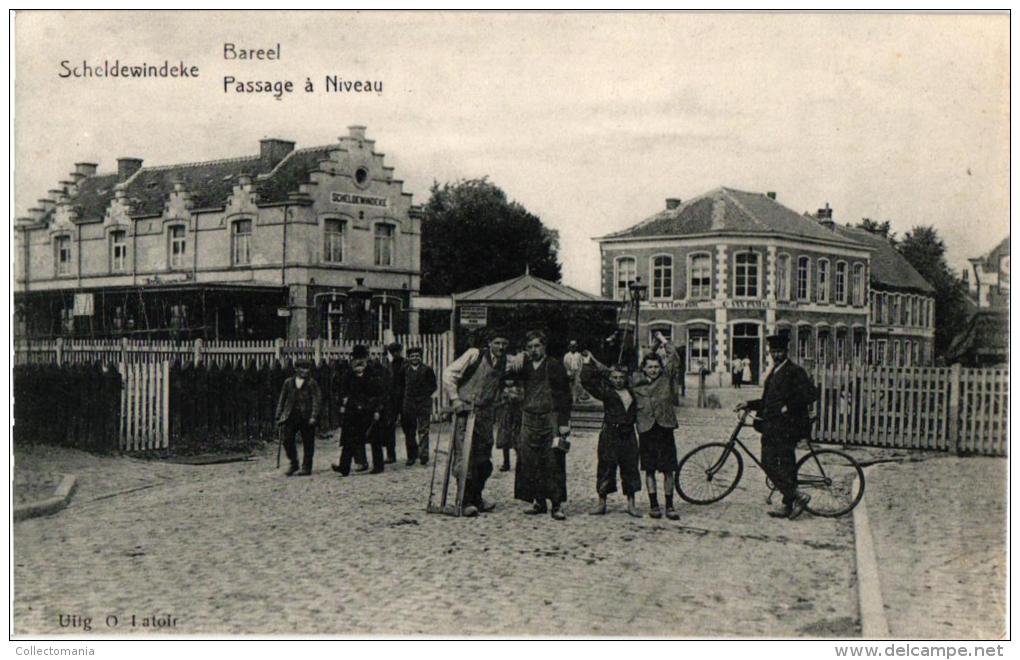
point(834, 481)
point(708, 473)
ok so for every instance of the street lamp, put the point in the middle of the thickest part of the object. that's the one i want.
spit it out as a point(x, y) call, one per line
point(638, 292)
point(362, 297)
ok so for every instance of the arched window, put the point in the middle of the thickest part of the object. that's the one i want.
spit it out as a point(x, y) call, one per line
point(745, 274)
point(822, 293)
point(699, 348)
point(626, 273)
point(662, 277)
point(857, 285)
point(240, 242)
point(783, 277)
point(841, 289)
point(699, 285)
point(62, 254)
point(803, 279)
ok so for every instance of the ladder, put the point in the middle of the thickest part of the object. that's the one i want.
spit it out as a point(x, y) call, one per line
point(442, 468)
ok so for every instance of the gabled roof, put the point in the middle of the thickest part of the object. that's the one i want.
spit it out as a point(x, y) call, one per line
point(726, 211)
point(991, 260)
point(889, 268)
point(528, 288)
point(209, 183)
point(94, 195)
point(291, 173)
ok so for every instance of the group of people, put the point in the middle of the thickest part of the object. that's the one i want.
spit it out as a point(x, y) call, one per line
point(373, 397)
point(523, 402)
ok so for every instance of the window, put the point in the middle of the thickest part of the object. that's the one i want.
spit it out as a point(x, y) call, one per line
point(384, 244)
point(67, 320)
point(840, 282)
point(822, 293)
point(917, 310)
point(118, 251)
point(666, 330)
point(803, 344)
point(62, 247)
point(894, 315)
point(699, 349)
point(745, 275)
point(178, 316)
point(783, 277)
point(662, 277)
point(823, 347)
point(884, 304)
point(178, 246)
point(857, 285)
point(700, 277)
point(908, 311)
point(333, 246)
point(916, 347)
point(384, 319)
point(240, 242)
point(875, 316)
point(880, 351)
point(626, 273)
point(840, 347)
point(803, 279)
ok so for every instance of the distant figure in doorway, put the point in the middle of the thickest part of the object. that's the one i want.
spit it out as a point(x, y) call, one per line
point(736, 372)
point(745, 369)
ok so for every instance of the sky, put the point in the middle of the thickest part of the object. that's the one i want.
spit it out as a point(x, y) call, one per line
point(590, 120)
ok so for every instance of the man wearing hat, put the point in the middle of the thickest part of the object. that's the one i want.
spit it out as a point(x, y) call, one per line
point(419, 382)
point(784, 412)
point(361, 406)
point(394, 375)
point(297, 412)
point(573, 361)
point(473, 382)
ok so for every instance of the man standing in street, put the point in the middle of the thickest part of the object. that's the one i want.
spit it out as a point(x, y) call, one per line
point(416, 408)
point(361, 407)
point(573, 361)
point(473, 382)
point(542, 467)
point(394, 373)
point(297, 412)
point(783, 419)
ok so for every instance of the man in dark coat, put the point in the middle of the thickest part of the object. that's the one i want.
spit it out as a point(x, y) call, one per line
point(541, 467)
point(297, 412)
point(416, 408)
point(361, 408)
point(783, 420)
point(394, 371)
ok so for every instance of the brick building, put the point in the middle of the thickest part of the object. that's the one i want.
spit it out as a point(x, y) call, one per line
point(295, 243)
point(728, 267)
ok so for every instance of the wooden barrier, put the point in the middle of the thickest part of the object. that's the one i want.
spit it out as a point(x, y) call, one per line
point(145, 406)
point(939, 408)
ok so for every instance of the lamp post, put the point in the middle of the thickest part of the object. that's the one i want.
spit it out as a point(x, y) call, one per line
point(362, 297)
point(638, 291)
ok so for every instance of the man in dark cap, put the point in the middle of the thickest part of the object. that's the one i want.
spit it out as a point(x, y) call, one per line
point(393, 372)
point(784, 419)
point(361, 407)
point(297, 412)
point(419, 384)
point(473, 382)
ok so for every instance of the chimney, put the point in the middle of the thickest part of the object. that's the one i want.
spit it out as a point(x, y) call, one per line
point(356, 132)
point(771, 195)
point(88, 169)
point(825, 217)
point(273, 151)
point(672, 203)
point(126, 167)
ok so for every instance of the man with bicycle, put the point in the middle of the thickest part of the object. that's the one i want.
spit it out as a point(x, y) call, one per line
point(783, 420)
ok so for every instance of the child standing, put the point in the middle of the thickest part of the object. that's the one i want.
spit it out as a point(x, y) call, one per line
point(617, 446)
point(509, 420)
point(655, 391)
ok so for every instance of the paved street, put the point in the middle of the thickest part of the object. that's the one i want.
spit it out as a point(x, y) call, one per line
point(237, 548)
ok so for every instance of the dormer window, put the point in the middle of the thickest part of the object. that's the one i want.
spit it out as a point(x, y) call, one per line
point(62, 254)
point(177, 246)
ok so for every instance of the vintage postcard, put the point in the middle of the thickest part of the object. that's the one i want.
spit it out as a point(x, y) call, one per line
point(510, 325)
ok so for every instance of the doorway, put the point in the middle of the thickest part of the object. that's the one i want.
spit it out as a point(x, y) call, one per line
point(746, 344)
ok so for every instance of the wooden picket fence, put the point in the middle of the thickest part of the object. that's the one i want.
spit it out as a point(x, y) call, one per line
point(145, 406)
point(945, 409)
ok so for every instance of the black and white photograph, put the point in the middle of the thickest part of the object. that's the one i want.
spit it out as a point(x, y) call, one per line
point(511, 325)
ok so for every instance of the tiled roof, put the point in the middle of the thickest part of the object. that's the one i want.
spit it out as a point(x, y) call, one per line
point(209, 183)
point(527, 288)
point(729, 211)
point(94, 195)
point(291, 173)
point(889, 268)
point(992, 258)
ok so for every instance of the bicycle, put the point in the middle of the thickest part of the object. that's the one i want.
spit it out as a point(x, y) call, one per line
point(707, 474)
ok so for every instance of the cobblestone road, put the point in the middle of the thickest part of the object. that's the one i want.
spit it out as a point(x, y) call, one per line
point(237, 548)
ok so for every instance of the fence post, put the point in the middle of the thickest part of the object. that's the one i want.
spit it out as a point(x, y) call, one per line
point(60, 351)
point(123, 350)
point(317, 344)
point(954, 409)
point(197, 359)
point(278, 349)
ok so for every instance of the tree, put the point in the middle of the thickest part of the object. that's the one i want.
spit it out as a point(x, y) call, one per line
point(880, 228)
point(925, 251)
point(472, 235)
